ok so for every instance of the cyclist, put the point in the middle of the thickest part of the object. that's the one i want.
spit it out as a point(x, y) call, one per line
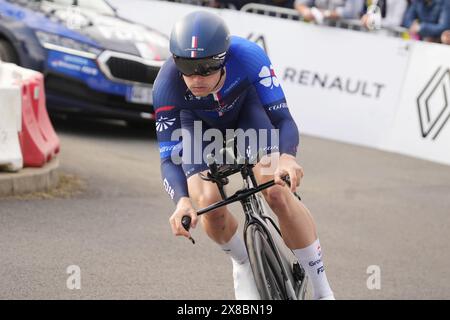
point(227, 82)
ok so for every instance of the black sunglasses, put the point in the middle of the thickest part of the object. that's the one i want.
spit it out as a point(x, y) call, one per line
point(202, 66)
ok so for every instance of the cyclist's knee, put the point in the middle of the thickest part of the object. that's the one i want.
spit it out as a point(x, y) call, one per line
point(207, 198)
point(276, 198)
point(216, 217)
point(201, 192)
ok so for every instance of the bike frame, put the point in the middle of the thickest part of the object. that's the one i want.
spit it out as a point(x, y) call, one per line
point(253, 209)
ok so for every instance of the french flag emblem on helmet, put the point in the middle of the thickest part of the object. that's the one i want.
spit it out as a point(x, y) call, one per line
point(194, 45)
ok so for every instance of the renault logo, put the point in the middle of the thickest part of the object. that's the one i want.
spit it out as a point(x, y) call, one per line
point(433, 104)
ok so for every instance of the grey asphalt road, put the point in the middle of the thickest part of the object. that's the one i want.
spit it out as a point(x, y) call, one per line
point(372, 209)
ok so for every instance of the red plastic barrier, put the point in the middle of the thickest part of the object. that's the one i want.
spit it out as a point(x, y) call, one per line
point(37, 92)
point(36, 150)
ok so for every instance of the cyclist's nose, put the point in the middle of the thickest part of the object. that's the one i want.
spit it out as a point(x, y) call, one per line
point(196, 79)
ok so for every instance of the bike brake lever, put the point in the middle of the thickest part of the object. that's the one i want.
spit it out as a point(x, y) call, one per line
point(287, 179)
point(186, 222)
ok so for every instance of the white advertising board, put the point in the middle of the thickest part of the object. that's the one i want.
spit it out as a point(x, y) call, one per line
point(340, 84)
point(422, 124)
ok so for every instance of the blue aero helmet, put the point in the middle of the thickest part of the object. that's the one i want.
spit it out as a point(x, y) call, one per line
point(199, 42)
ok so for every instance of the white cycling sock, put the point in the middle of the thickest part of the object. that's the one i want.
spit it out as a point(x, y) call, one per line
point(311, 260)
point(236, 249)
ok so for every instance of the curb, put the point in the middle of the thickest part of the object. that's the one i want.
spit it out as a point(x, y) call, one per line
point(30, 179)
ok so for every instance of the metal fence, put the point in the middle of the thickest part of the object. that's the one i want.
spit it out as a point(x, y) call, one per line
point(292, 14)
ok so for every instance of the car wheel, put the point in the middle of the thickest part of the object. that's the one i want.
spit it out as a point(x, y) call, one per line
point(7, 52)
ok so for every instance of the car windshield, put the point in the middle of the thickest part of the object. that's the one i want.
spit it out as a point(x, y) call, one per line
point(99, 6)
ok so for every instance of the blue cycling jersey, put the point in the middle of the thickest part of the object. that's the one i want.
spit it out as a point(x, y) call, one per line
point(247, 68)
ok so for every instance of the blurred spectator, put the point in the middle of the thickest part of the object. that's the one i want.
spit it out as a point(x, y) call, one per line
point(320, 10)
point(389, 13)
point(428, 19)
point(445, 38)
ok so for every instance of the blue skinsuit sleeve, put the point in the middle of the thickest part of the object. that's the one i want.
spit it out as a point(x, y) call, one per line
point(260, 72)
point(167, 121)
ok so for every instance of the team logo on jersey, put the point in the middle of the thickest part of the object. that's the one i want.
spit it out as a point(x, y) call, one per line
point(163, 123)
point(222, 106)
point(269, 79)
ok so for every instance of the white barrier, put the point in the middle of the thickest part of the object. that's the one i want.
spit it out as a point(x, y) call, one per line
point(38, 140)
point(10, 76)
point(344, 85)
point(10, 107)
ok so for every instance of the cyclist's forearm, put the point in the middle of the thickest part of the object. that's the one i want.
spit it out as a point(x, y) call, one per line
point(184, 201)
point(281, 119)
point(289, 137)
point(174, 180)
point(288, 134)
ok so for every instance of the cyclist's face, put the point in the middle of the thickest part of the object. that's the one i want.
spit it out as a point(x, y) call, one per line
point(201, 86)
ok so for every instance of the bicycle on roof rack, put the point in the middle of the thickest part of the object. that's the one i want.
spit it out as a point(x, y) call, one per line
point(277, 272)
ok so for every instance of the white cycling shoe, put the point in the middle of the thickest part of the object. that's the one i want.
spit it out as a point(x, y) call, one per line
point(244, 283)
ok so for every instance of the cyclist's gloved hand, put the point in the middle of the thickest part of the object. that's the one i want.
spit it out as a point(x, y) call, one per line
point(184, 208)
point(287, 165)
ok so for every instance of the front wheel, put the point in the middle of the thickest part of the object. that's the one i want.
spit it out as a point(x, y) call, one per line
point(266, 269)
